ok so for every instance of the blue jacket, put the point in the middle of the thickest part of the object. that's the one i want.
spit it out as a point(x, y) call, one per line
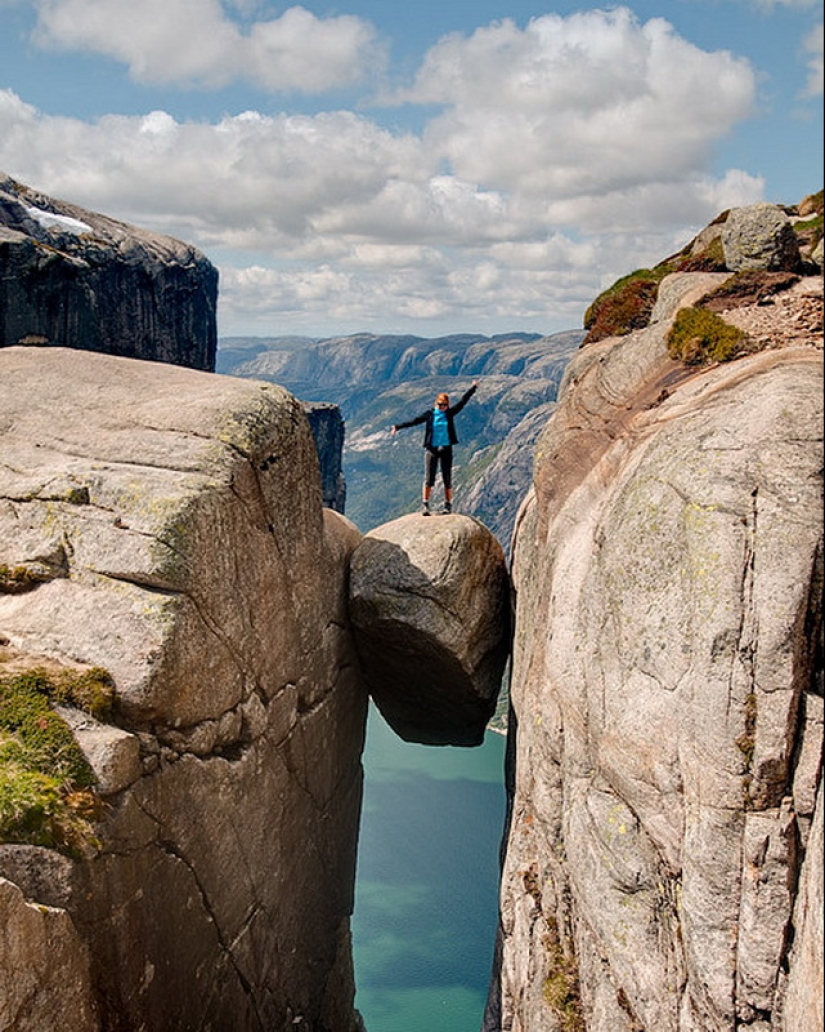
point(427, 419)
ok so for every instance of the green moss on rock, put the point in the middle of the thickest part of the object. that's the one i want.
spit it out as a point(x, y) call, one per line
point(91, 690)
point(14, 580)
point(699, 337)
point(30, 802)
point(711, 259)
point(561, 986)
point(46, 796)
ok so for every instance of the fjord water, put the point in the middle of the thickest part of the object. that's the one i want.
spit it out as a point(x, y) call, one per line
point(426, 905)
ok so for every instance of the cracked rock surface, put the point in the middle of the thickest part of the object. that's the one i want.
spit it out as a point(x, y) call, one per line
point(166, 524)
point(664, 861)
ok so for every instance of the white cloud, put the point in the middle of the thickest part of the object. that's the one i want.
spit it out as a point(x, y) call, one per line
point(801, 5)
point(564, 151)
point(193, 42)
point(359, 295)
point(813, 45)
point(15, 114)
point(593, 103)
point(248, 180)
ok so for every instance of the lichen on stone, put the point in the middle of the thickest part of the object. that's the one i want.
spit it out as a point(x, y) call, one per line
point(561, 986)
point(14, 580)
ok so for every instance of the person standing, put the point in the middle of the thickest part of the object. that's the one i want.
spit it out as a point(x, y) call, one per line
point(439, 438)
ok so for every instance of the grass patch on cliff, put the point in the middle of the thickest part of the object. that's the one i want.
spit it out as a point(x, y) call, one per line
point(699, 337)
point(560, 990)
point(46, 784)
point(561, 987)
point(711, 259)
point(626, 306)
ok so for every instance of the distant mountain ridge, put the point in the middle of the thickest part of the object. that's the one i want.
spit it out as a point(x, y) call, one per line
point(365, 357)
point(378, 380)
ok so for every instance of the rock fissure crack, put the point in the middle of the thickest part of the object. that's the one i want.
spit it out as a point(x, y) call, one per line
point(425, 594)
point(172, 850)
point(213, 627)
point(62, 447)
point(147, 583)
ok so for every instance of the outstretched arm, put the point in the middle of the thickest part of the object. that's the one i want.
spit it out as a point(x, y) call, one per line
point(465, 398)
point(412, 422)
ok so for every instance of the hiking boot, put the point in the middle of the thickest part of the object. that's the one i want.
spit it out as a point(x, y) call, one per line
point(425, 509)
point(447, 509)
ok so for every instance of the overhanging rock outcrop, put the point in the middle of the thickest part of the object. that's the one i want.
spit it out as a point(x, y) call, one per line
point(664, 860)
point(430, 606)
point(166, 525)
point(75, 278)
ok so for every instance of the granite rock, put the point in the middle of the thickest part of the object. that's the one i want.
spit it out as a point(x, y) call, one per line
point(172, 524)
point(665, 841)
point(429, 602)
point(75, 278)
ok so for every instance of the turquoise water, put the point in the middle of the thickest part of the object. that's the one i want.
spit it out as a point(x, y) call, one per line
point(426, 903)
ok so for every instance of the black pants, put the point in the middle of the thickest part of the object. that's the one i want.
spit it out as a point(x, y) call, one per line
point(432, 459)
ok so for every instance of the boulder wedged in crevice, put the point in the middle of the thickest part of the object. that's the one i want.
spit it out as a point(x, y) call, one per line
point(430, 607)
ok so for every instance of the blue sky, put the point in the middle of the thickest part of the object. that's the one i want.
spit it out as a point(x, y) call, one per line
point(424, 168)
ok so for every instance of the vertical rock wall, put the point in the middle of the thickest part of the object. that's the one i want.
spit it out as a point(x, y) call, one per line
point(172, 527)
point(78, 279)
point(327, 425)
point(663, 859)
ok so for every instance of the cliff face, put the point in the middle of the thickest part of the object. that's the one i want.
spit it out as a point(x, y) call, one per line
point(75, 278)
point(664, 861)
point(166, 525)
point(163, 528)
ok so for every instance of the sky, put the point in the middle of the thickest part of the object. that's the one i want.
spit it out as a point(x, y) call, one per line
point(436, 167)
